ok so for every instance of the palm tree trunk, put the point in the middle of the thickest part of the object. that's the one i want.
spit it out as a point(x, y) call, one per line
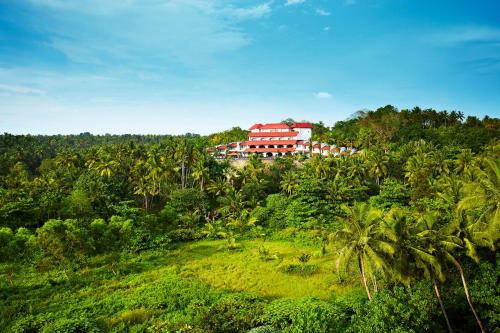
point(374, 281)
point(10, 277)
point(183, 171)
point(363, 278)
point(436, 289)
point(466, 289)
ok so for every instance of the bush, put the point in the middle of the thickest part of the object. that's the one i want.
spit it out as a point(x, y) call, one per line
point(276, 204)
point(262, 215)
point(184, 235)
point(399, 310)
point(234, 313)
point(306, 315)
point(28, 324)
point(266, 255)
point(393, 193)
point(182, 202)
point(143, 239)
point(131, 317)
point(301, 269)
point(264, 329)
point(77, 325)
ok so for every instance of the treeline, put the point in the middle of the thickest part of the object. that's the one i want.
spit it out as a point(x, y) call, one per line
point(414, 216)
point(388, 126)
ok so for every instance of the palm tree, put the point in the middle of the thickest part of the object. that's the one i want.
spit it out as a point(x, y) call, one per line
point(366, 238)
point(288, 182)
point(435, 246)
point(421, 247)
point(217, 186)
point(68, 160)
point(231, 175)
point(200, 173)
point(473, 233)
point(232, 203)
point(146, 190)
point(484, 194)
point(379, 165)
point(464, 162)
point(356, 169)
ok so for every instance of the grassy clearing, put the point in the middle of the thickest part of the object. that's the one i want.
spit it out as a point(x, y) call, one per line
point(139, 289)
point(244, 270)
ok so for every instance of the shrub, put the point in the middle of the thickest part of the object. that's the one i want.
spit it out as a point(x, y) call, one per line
point(261, 214)
point(73, 325)
point(234, 313)
point(301, 269)
point(266, 255)
point(143, 239)
point(184, 235)
point(131, 317)
point(27, 324)
point(393, 193)
point(399, 310)
point(276, 204)
point(304, 258)
point(264, 329)
point(306, 315)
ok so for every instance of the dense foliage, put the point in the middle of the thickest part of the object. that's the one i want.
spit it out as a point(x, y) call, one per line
point(414, 217)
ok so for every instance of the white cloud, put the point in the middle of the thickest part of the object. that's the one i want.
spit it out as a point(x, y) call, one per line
point(349, 2)
point(169, 34)
point(323, 95)
point(322, 12)
point(466, 34)
point(294, 2)
point(98, 7)
point(20, 90)
point(257, 11)
point(327, 28)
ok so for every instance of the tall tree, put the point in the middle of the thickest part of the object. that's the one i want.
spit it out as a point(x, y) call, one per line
point(364, 237)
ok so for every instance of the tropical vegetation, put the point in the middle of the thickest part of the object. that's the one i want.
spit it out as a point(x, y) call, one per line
point(150, 233)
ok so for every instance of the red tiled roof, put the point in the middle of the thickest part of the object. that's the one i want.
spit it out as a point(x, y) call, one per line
point(316, 145)
point(325, 148)
point(221, 147)
point(210, 150)
point(302, 125)
point(269, 142)
point(254, 126)
point(272, 134)
point(232, 145)
point(269, 150)
point(275, 125)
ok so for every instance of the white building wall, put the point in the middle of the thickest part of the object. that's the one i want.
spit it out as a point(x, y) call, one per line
point(304, 134)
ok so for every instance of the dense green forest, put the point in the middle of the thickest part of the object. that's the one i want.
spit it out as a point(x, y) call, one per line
point(133, 233)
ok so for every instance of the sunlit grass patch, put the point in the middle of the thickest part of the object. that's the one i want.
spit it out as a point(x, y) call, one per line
point(245, 270)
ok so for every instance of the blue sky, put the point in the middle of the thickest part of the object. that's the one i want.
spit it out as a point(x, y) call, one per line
point(177, 66)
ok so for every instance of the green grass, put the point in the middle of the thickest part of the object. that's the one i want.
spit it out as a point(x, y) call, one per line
point(133, 294)
point(243, 270)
